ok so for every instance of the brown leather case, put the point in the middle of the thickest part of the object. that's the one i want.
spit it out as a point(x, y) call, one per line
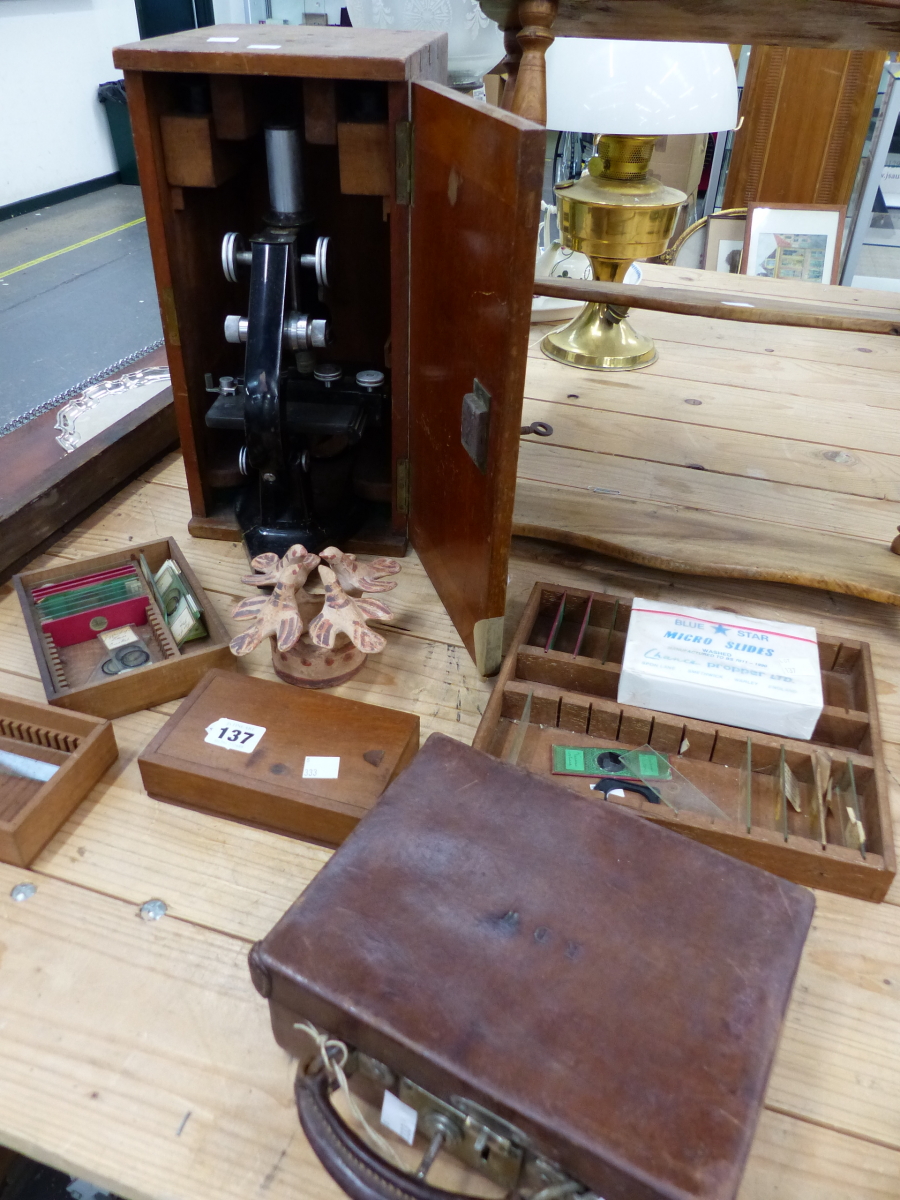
point(610, 988)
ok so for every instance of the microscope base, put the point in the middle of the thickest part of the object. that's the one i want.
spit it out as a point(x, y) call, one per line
point(315, 534)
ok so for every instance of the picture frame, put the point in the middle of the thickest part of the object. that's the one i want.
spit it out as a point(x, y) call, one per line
point(725, 241)
point(793, 241)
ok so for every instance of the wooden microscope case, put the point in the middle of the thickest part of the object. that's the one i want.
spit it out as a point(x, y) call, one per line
point(432, 209)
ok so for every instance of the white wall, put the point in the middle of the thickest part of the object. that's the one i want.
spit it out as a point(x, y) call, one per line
point(53, 54)
point(230, 12)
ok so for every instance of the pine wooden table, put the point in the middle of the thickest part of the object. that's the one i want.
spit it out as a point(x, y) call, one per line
point(138, 1054)
point(754, 450)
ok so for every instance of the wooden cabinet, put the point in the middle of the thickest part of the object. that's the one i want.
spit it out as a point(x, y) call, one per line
point(430, 201)
point(804, 118)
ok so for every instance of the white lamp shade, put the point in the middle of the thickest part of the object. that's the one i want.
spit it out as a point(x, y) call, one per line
point(650, 88)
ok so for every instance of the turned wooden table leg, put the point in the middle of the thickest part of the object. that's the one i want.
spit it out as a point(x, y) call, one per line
point(511, 64)
point(530, 96)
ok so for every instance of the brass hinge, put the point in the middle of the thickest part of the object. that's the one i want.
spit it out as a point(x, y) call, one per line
point(403, 485)
point(169, 316)
point(404, 161)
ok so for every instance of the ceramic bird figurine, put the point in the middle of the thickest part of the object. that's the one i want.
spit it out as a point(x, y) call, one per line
point(341, 614)
point(276, 615)
point(320, 640)
point(354, 576)
point(268, 567)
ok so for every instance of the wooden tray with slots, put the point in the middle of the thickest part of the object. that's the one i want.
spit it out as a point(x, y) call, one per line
point(82, 747)
point(573, 686)
point(64, 672)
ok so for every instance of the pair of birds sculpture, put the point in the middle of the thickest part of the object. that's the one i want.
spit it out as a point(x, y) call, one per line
point(290, 609)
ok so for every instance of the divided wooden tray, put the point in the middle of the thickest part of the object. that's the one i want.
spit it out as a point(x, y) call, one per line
point(30, 811)
point(574, 704)
point(62, 672)
point(267, 787)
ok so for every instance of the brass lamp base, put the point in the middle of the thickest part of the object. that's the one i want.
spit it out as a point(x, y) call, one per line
point(613, 214)
point(600, 339)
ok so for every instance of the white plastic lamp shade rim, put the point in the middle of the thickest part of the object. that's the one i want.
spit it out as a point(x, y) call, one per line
point(651, 88)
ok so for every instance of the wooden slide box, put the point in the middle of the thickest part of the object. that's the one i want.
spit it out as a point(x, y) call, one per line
point(267, 787)
point(31, 812)
point(574, 704)
point(146, 686)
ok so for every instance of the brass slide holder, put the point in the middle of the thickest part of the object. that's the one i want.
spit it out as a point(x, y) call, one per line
point(614, 214)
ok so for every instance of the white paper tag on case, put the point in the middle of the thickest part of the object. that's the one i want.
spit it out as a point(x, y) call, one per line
point(234, 735)
point(114, 638)
point(320, 768)
point(400, 1118)
point(223, 39)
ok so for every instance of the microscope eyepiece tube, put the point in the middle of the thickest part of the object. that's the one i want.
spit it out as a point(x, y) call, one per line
point(283, 156)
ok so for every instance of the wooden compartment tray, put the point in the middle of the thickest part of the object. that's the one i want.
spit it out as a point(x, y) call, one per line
point(573, 685)
point(82, 747)
point(63, 672)
point(267, 787)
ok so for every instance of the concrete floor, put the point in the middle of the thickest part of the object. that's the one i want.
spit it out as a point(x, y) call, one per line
point(70, 317)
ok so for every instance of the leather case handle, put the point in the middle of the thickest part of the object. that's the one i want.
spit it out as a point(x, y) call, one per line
point(353, 1166)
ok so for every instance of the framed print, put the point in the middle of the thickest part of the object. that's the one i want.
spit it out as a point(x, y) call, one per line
point(793, 241)
point(725, 241)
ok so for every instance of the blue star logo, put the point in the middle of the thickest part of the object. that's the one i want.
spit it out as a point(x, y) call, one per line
point(720, 629)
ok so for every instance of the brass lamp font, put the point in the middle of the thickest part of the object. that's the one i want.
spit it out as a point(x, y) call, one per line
point(613, 214)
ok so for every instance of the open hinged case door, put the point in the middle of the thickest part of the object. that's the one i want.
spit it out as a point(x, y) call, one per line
point(476, 189)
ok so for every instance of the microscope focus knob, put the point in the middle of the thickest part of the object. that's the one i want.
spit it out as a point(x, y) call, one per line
point(319, 334)
point(234, 254)
point(318, 261)
point(306, 333)
point(235, 329)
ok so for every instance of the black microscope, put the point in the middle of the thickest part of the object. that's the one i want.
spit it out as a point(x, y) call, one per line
point(302, 418)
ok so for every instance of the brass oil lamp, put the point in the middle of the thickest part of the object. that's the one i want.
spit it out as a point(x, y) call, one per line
point(614, 214)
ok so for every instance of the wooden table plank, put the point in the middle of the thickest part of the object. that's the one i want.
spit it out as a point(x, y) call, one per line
point(865, 351)
point(680, 364)
point(645, 438)
point(160, 1020)
point(839, 1056)
point(142, 1050)
point(768, 503)
point(791, 1160)
point(692, 541)
point(151, 1034)
point(834, 424)
point(744, 450)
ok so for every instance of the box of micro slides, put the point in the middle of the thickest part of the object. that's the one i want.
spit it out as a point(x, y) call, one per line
point(716, 666)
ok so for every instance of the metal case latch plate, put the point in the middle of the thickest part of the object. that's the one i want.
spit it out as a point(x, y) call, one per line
point(486, 1148)
point(476, 412)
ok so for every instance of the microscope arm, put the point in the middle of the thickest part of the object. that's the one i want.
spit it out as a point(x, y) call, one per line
point(264, 410)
